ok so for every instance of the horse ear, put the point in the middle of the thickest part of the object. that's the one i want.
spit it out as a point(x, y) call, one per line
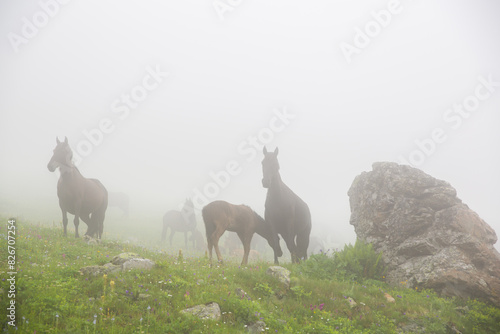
point(57, 141)
point(265, 150)
point(66, 140)
point(276, 151)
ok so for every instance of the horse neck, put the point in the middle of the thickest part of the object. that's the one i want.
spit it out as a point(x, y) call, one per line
point(70, 172)
point(277, 186)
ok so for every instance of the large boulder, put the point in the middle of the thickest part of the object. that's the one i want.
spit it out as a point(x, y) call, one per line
point(429, 238)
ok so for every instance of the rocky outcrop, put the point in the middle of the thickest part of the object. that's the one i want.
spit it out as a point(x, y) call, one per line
point(429, 238)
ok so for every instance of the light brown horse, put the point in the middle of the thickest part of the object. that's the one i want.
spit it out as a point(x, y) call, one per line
point(84, 198)
point(221, 216)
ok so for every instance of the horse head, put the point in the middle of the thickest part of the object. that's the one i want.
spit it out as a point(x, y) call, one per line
point(270, 167)
point(62, 155)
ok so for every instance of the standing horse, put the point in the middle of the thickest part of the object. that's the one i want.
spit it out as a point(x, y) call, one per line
point(285, 211)
point(180, 221)
point(84, 198)
point(221, 216)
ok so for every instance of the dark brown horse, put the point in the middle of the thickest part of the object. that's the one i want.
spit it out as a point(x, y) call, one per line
point(285, 211)
point(84, 198)
point(221, 216)
point(180, 221)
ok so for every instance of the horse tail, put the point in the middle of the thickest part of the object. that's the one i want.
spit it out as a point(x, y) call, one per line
point(102, 210)
point(208, 220)
point(304, 233)
point(100, 213)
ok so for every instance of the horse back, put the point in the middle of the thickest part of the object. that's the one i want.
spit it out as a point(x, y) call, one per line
point(232, 217)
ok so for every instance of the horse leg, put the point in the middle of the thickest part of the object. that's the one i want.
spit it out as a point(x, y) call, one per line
point(245, 240)
point(90, 225)
point(215, 240)
point(97, 223)
point(65, 221)
point(290, 244)
point(209, 246)
point(277, 249)
point(302, 245)
point(76, 221)
point(186, 239)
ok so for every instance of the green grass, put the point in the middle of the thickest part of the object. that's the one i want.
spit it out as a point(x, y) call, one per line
point(53, 297)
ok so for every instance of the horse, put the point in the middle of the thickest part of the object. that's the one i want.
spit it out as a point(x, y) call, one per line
point(180, 221)
point(84, 198)
point(286, 212)
point(121, 201)
point(221, 216)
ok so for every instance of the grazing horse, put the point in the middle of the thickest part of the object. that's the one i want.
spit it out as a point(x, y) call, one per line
point(180, 221)
point(285, 211)
point(221, 216)
point(84, 198)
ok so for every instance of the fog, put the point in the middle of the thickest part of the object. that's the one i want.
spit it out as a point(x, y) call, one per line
point(168, 100)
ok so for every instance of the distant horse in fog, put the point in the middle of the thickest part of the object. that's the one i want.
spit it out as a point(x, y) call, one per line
point(221, 216)
point(286, 212)
point(84, 198)
point(180, 221)
point(119, 200)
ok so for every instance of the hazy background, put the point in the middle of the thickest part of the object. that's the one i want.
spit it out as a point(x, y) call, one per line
point(227, 77)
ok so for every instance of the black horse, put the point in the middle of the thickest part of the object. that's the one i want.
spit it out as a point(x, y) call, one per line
point(285, 211)
point(180, 221)
point(84, 198)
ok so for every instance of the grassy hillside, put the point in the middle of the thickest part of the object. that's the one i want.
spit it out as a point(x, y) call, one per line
point(52, 296)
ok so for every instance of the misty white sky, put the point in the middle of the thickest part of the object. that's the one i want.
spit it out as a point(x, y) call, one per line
point(69, 66)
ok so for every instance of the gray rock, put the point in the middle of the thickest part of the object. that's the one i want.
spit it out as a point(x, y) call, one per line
point(282, 274)
point(124, 257)
point(111, 268)
point(429, 238)
point(142, 264)
point(122, 262)
point(257, 327)
point(351, 302)
point(204, 312)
